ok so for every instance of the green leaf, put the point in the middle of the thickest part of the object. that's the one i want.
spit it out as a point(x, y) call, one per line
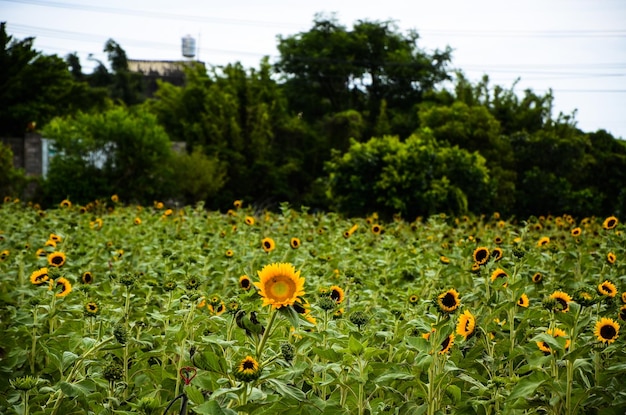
point(292, 315)
point(454, 392)
point(68, 359)
point(328, 354)
point(355, 347)
point(287, 390)
point(212, 408)
point(194, 394)
point(208, 360)
point(527, 386)
point(394, 376)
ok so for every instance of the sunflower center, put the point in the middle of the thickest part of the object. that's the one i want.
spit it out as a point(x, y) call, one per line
point(248, 365)
point(245, 283)
point(608, 332)
point(448, 300)
point(57, 260)
point(481, 255)
point(562, 302)
point(445, 343)
point(335, 295)
point(281, 288)
point(267, 245)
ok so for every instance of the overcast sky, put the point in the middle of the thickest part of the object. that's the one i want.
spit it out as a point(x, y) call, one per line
point(577, 48)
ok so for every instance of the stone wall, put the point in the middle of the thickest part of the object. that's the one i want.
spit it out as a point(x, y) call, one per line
point(26, 153)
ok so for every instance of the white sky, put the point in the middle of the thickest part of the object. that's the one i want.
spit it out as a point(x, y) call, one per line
point(575, 47)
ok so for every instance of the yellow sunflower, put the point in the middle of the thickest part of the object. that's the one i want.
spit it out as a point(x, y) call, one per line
point(65, 286)
point(229, 253)
point(56, 238)
point(606, 330)
point(377, 229)
point(622, 313)
point(65, 204)
point(611, 258)
point(523, 301)
point(268, 244)
point(87, 277)
point(610, 222)
point(556, 332)
point(217, 309)
point(624, 297)
point(481, 255)
point(413, 299)
point(56, 259)
point(280, 285)
point(498, 273)
point(576, 232)
point(497, 254)
point(350, 231)
point(448, 301)
point(444, 259)
point(91, 309)
point(238, 203)
point(4, 254)
point(301, 306)
point(244, 282)
point(543, 241)
point(446, 344)
point(498, 240)
point(563, 299)
point(608, 289)
point(137, 221)
point(466, 325)
point(337, 294)
point(115, 198)
point(39, 277)
point(537, 277)
point(249, 220)
point(294, 243)
point(247, 370)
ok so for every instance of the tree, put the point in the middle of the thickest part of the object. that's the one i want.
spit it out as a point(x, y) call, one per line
point(12, 181)
point(36, 87)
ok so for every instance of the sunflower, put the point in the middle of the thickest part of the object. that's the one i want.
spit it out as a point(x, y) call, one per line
point(244, 282)
point(481, 255)
point(248, 370)
point(606, 330)
point(543, 241)
point(39, 277)
point(218, 309)
point(622, 313)
point(96, 224)
point(350, 231)
point(608, 289)
point(446, 344)
point(576, 232)
point(413, 299)
point(41, 253)
point(280, 285)
point(168, 212)
point(51, 243)
point(337, 294)
point(623, 296)
point(56, 259)
point(249, 220)
point(444, 259)
point(610, 223)
point(229, 253)
point(475, 267)
point(137, 221)
point(268, 244)
point(562, 300)
point(4, 254)
point(301, 306)
point(448, 301)
point(91, 309)
point(537, 277)
point(498, 273)
point(377, 229)
point(497, 254)
point(466, 325)
point(556, 332)
point(498, 240)
point(65, 285)
point(610, 257)
point(238, 203)
point(65, 204)
point(56, 238)
point(523, 301)
point(159, 205)
point(294, 243)
point(87, 277)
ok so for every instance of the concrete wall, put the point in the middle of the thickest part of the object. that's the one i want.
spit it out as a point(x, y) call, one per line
point(26, 152)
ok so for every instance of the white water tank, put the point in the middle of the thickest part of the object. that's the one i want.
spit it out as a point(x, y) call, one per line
point(189, 47)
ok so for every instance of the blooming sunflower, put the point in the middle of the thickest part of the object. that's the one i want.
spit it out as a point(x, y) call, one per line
point(466, 325)
point(218, 309)
point(475, 267)
point(556, 332)
point(4, 254)
point(56, 238)
point(115, 198)
point(41, 253)
point(377, 229)
point(611, 258)
point(87, 277)
point(244, 282)
point(497, 254)
point(249, 220)
point(413, 299)
point(610, 223)
point(624, 297)
point(498, 240)
point(294, 243)
point(444, 259)
point(56, 259)
point(537, 277)
point(448, 301)
point(543, 241)
point(576, 232)
point(337, 294)
point(137, 221)
point(65, 204)
point(268, 244)
point(91, 309)
point(481, 255)
point(65, 286)
point(238, 203)
point(248, 370)
point(606, 330)
point(562, 300)
point(608, 289)
point(51, 243)
point(622, 313)
point(280, 285)
point(446, 344)
point(229, 253)
point(39, 277)
point(301, 306)
point(523, 301)
point(498, 273)
point(350, 231)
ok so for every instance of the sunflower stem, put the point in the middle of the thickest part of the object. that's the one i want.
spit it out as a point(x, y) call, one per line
point(33, 346)
point(266, 334)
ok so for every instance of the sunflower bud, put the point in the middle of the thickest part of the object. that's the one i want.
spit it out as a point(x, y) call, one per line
point(327, 303)
point(288, 351)
point(113, 372)
point(120, 333)
point(359, 318)
point(248, 370)
point(24, 383)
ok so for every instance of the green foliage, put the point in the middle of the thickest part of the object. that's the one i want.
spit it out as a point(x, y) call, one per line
point(119, 151)
point(196, 176)
point(420, 176)
point(12, 181)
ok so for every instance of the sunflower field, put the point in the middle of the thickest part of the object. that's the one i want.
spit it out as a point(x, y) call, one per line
point(111, 308)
